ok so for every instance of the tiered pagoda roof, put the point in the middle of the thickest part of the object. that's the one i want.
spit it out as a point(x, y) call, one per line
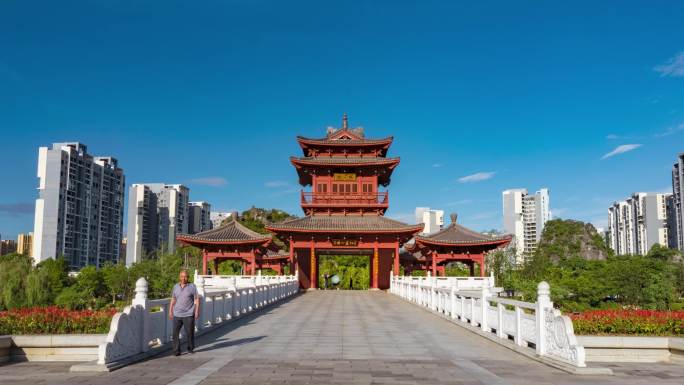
point(344, 150)
point(350, 141)
point(345, 224)
point(231, 233)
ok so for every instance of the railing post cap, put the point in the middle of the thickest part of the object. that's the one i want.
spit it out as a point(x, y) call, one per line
point(141, 284)
point(543, 288)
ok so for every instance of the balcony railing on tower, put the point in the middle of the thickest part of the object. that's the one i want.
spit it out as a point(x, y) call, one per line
point(375, 200)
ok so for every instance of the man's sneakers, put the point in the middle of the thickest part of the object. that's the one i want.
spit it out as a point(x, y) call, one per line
point(176, 354)
point(191, 351)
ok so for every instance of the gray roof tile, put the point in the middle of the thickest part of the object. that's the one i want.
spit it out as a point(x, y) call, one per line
point(232, 231)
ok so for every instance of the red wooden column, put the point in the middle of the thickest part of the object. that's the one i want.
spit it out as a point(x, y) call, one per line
point(376, 266)
point(314, 266)
point(482, 265)
point(396, 258)
point(253, 263)
point(291, 258)
point(434, 263)
point(204, 262)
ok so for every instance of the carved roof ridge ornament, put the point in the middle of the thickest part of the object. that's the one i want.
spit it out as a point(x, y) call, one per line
point(345, 133)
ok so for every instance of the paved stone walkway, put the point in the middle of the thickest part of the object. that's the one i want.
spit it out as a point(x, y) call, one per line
point(341, 337)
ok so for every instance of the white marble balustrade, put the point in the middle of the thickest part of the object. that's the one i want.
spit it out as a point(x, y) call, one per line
point(145, 326)
point(529, 325)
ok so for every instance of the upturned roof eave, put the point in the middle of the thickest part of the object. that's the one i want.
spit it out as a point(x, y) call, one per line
point(298, 161)
point(429, 241)
point(302, 140)
point(228, 242)
point(408, 230)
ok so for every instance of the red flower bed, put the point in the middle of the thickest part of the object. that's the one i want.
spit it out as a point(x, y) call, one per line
point(629, 322)
point(55, 320)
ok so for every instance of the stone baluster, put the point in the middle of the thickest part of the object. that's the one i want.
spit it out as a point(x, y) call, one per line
point(484, 308)
point(452, 298)
point(543, 305)
point(140, 299)
point(199, 284)
point(518, 327)
point(500, 308)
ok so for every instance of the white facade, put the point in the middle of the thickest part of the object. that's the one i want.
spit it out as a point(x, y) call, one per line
point(433, 220)
point(157, 213)
point(217, 218)
point(199, 217)
point(79, 212)
point(524, 216)
point(639, 222)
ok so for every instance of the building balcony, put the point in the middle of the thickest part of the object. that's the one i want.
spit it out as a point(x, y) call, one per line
point(378, 200)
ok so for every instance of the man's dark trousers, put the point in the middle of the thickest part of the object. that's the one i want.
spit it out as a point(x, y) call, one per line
point(188, 323)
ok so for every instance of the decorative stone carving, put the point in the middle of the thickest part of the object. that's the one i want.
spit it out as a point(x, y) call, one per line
point(561, 343)
point(125, 334)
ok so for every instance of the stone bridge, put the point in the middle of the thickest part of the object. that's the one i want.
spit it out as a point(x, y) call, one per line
point(341, 337)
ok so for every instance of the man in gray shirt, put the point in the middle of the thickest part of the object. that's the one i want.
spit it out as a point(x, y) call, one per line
point(184, 311)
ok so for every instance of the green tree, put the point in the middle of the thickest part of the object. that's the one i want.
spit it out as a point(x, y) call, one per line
point(14, 268)
point(46, 281)
point(117, 279)
point(500, 262)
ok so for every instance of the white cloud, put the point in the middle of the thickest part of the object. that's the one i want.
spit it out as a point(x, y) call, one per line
point(213, 181)
point(477, 177)
point(621, 149)
point(670, 131)
point(673, 67)
point(612, 137)
point(276, 184)
point(437, 165)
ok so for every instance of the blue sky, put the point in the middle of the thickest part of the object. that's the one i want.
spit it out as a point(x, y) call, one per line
point(586, 99)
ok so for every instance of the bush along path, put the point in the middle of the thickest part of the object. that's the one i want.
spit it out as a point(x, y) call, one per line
point(55, 320)
point(629, 322)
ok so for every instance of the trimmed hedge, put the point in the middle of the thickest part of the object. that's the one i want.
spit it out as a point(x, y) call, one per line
point(629, 322)
point(55, 320)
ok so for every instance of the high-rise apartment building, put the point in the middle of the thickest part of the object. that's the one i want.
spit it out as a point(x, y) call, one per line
point(79, 211)
point(639, 222)
point(157, 212)
point(524, 216)
point(199, 217)
point(677, 206)
point(7, 246)
point(25, 244)
point(433, 220)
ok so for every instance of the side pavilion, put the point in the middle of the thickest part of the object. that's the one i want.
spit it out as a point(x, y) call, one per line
point(455, 244)
point(234, 241)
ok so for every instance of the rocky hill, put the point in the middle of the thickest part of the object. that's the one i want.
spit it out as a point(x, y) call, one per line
point(564, 239)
